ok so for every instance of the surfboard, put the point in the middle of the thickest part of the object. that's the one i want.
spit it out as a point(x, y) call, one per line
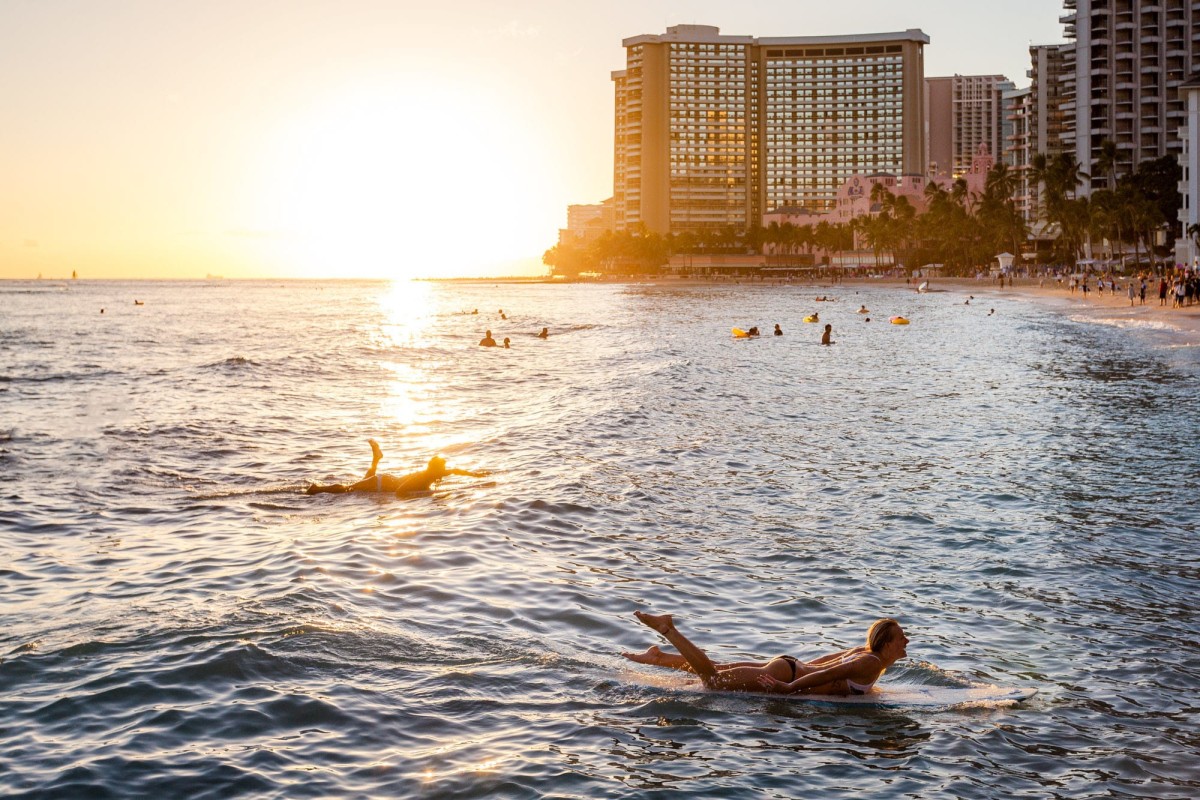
point(902, 696)
point(929, 697)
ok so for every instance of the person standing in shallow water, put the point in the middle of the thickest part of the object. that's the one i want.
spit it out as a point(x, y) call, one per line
point(487, 340)
point(778, 330)
point(375, 481)
point(828, 332)
point(847, 672)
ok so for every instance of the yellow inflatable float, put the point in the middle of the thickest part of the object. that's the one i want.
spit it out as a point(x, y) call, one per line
point(899, 321)
point(812, 318)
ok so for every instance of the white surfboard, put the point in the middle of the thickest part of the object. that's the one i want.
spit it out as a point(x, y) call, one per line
point(901, 696)
point(893, 695)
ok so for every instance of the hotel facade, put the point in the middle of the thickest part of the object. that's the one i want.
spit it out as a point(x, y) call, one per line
point(963, 112)
point(713, 131)
point(1130, 59)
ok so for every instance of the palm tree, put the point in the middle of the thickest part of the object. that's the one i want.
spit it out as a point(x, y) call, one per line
point(1106, 162)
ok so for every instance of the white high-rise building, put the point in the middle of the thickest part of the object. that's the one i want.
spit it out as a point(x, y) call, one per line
point(1129, 58)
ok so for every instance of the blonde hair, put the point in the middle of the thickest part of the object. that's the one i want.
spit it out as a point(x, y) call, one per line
point(880, 633)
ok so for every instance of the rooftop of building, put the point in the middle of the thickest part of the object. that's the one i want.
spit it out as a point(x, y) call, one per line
point(710, 34)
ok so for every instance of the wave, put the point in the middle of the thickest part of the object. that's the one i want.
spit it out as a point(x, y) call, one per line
point(234, 362)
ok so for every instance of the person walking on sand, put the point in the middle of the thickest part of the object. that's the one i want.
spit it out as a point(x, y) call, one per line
point(853, 671)
point(375, 481)
point(1132, 293)
point(1162, 291)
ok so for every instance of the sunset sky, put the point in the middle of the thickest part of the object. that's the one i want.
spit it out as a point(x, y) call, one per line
point(361, 138)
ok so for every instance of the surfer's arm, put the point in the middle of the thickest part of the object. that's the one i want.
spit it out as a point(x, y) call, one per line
point(468, 473)
point(842, 671)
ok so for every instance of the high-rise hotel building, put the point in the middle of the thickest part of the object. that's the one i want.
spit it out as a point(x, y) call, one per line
point(962, 113)
point(712, 131)
point(1130, 59)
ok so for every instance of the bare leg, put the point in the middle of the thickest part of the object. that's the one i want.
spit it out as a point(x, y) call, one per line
point(376, 454)
point(739, 676)
point(331, 488)
point(655, 657)
point(700, 663)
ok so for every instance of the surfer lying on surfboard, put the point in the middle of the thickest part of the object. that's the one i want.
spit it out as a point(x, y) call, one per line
point(382, 482)
point(847, 672)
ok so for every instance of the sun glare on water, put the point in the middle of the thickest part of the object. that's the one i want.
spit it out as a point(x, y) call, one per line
point(403, 182)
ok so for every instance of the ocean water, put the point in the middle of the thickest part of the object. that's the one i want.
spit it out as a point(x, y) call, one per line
point(180, 620)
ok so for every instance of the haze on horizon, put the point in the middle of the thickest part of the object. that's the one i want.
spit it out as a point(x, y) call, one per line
point(365, 138)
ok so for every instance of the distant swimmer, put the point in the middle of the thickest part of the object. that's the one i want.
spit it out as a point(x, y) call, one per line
point(502, 315)
point(778, 330)
point(476, 311)
point(487, 340)
point(813, 317)
point(868, 319)
point(506, 344)
point(966, 302)
point(853, 671)
point(545, 334)
point(138, 303)
point(828, 332)
point(863, 310)
point(991, 311)
point(382, 482)
point(752, 332)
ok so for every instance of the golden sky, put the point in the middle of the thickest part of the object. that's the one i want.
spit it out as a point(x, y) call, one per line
point(361, 138)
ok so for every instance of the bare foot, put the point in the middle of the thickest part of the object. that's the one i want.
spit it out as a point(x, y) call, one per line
point(375, 451)
point(652, 655)
point(662, 623)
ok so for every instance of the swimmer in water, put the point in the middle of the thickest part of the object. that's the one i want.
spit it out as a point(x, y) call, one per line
point(863, 310)
point(846, 672)
point(752, 332)
point(506, 344)
point(487, 340)
point(828, 332)
point(778, 330)
point(545, 334)
point(375, 481)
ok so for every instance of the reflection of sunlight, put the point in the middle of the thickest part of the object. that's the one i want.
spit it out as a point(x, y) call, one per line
point(406, 309)
point(407, 315)
point(401, 404)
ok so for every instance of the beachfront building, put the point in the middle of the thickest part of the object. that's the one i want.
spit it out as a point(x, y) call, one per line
point(586, 222)
point(963, 112)
point(712, 131)
point(1018, 147)
point(1187, 246)
point(1129, 59)
point(1038, 123)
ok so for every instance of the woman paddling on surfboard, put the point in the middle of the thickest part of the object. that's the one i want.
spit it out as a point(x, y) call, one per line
point(382, 482)
point(847, 672)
